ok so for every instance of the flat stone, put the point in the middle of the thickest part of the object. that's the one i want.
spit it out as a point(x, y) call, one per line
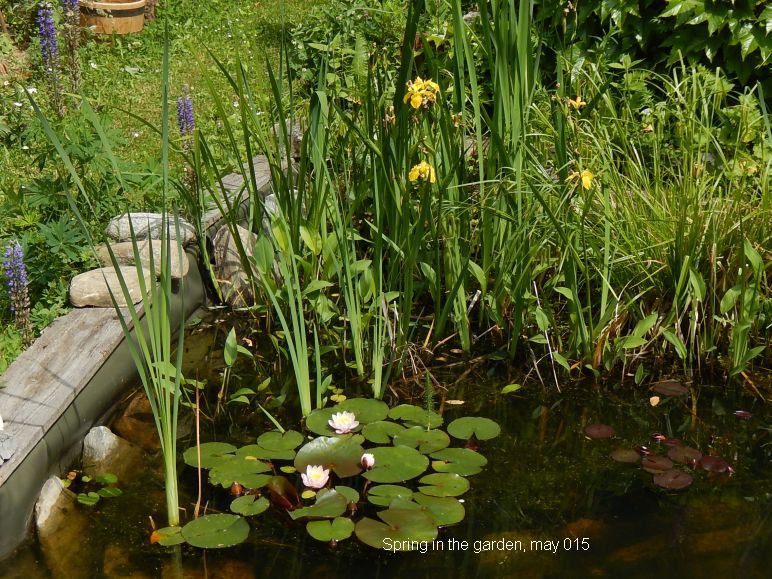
point(231, 275)
point(124, 255)
point(7, 447)
point(104, 452)
point(92, 288)
point(147, 226)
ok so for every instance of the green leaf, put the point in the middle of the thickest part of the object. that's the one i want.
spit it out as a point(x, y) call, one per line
point(396, 464)
point(427, 441)
point(249, 505)
point(382, 431)
point(383, 495)
point(169, 536)
point(109, 492)
point(444, 485)
point(481, 428)
point(341, 454)
point(730, 299)
point(230, 352)
point(216, 531)
point(444, 510)
point(461, 461)
point(415, 416)
point(352, 495)
point(511, 388)
point(403, 527)
point(275, 440)
point(212, 454)
point(541, 319)
point(329, 504)
point(338, 529)
point(644, 325)
point(88, 499)
point(676, 342)
point(242, 470)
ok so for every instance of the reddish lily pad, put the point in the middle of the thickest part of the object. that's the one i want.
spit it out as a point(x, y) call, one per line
point(684, 454)
point(714, 464)
point(626, 456)
point(655, 463)
point(599, 431)
point(743, 414)
point(673, 479)
point(670, 388)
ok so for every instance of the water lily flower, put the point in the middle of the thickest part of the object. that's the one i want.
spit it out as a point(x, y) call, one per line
point(343, 422)
point(367, 460)
point(316, 476)
point(423, 171)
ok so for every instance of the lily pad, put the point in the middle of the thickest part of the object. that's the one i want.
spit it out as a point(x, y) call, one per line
point(415, 416)
point(396, 464)
point(275, 440)
point(318, 421)
point(244, 471)
point(684, 454)
point(714, 464)
point(670, 388)
point(458, 460)
point(381, 431)
point(655, 464)
point(249, 505)
point(427, 441)
point(401, 528)
point(352, 495)
point(329, 504)
point(626, 456)
point(168, 536)
point(365, 409)
point(445, 510)
point(444, 484)
point(383, 495)
point(341, 454)
point(216, 531)
point(338, 529)
point(212, 454)
point(477, 426)
point(673, 479)
point(255, 451)
point(599, 431)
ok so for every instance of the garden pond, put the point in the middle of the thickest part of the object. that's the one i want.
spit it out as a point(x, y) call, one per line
point(564, 493)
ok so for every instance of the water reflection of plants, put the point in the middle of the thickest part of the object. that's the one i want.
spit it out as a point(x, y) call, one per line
point(364, 456)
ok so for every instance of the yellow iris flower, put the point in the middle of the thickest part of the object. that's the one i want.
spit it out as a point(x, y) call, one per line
point(421, 92)
point(423, 171)
point(577, 103)
point(585, 176)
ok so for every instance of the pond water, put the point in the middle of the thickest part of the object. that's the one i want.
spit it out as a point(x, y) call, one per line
point(550, 503)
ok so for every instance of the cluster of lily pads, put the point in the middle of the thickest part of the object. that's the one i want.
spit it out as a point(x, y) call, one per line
point(663, 467)
point(365, 459)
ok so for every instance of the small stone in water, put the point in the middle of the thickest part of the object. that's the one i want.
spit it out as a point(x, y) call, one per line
point(599, 431)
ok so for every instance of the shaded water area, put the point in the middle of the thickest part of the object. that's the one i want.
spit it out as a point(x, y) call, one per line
point(550, 503)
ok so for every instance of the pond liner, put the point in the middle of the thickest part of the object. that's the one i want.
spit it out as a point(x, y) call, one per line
point(52, 443)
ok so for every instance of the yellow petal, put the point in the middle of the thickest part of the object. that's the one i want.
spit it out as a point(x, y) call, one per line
point(413, 175)
point(416, 100)
point(587, 179)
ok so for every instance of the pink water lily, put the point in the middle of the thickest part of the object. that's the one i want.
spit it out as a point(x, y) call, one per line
point(316, 476)
point(343, 422)
point(367, 460)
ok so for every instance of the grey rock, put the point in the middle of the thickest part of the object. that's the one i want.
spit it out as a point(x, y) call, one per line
point(104, 452)
point(147, 226)
point(230, 272)
point(7, 447)
point(124, 254)
point(92, 288)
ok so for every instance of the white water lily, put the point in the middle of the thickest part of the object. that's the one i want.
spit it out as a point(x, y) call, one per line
point(367, 460)
point(343, 422)
point(316, 476)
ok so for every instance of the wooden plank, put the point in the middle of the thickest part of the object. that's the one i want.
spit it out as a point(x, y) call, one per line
point(44, 380)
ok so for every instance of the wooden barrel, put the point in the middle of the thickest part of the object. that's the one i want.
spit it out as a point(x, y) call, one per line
point(113, 16)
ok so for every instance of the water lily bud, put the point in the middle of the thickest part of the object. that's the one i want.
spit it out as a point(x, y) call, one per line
point(367, 460)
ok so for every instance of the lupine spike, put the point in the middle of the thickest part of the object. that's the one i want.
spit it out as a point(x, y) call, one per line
point(16, 282)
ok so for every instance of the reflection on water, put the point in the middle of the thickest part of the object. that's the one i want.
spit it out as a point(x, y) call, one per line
point(550, 503)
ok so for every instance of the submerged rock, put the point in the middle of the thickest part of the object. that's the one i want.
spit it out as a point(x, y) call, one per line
point(117, 565)
point(137, 424)
point(147, 226)
point(92, 288)
point(231, 274)
point(61, 526)
point(124, 254)
point(104, 452)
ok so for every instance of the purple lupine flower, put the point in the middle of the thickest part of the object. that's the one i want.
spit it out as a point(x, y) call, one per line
point(16, 282)
point(49, 46)
point(185, 121)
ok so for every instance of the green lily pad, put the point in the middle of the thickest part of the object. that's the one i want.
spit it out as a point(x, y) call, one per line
point(381, 431)
point(415, 416)
point(396, 464)
point(383, 495)
point(169, 536)
point(461, 461)
point(329, 504)
point(275, 440)
point(402, 529)
point(244, 471)
point(338, 529)
point(427, 441)
point(249, 505)
point(445, 484)
point(365, 409)
point(255, 451)
point(481, 428)
point(215, 531)
point(341, 454)
point(212, 454)
point(318, 421)
point(445, 510)
point(352, 495)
